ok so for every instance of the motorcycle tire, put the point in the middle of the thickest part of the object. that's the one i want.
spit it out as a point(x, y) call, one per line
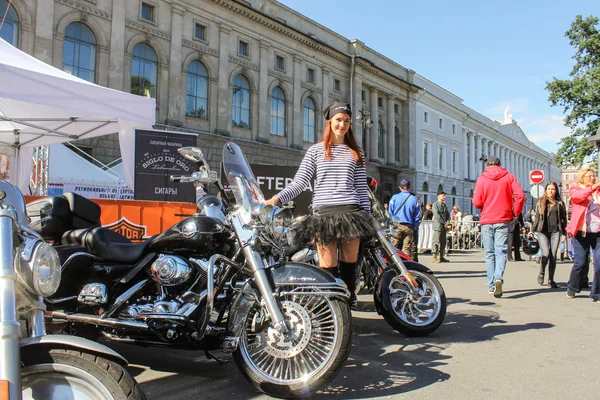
point(291, 379)
point(399, 316)
point(62, 374)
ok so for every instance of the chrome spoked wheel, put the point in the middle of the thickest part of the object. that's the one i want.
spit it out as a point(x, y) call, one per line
point(59, 381)
point(419, 309)
point(306, 353)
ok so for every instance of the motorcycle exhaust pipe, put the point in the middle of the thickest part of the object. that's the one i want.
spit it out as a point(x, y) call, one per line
point(59, 316)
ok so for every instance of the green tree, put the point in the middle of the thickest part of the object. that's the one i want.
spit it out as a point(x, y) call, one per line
point(579, 95)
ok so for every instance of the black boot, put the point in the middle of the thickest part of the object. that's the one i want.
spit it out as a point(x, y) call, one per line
point(540, 279)
point(551, 282)
point(333, 271)
point(348, 275)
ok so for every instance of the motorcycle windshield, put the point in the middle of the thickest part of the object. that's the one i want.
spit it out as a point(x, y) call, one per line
point(241, 178)
point(377, 210)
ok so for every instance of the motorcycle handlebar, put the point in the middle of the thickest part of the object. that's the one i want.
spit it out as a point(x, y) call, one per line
point(176, 178)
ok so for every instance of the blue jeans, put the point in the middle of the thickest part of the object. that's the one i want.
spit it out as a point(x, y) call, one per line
point(582, 246)
point(495, 245)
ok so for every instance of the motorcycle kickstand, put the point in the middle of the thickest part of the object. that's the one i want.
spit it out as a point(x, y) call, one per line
point(211, 356)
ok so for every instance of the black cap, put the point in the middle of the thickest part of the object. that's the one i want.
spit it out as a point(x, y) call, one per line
point(336, 107)
point(441, 192)
point(404, 183)
point(493, 160)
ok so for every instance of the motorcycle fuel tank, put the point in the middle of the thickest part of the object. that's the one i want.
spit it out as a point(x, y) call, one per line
point(197, 235)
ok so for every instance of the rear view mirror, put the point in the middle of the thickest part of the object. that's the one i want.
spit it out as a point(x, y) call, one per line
point(191, 153)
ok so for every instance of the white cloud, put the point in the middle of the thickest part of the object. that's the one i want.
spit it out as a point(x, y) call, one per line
point(545, 131)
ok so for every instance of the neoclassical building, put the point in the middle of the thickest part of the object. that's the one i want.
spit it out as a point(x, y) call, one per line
point(258, 72)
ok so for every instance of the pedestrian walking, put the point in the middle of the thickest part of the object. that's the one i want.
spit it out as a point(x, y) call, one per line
point(549, 223)
point(405, 214)
point(340, 205)
point(441, 216)
point(514, 239)
point(500, 198)
point(584, 230)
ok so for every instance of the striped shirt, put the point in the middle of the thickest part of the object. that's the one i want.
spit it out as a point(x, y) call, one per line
point(339, 181)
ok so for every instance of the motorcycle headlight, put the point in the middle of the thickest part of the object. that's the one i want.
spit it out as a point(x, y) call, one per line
point(45, 267)
point(279, 221)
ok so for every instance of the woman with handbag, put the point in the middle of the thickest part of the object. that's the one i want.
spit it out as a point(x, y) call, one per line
point(584, 230)
point(549, 223)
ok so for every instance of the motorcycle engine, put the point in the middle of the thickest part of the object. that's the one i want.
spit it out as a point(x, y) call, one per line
point(170, 270)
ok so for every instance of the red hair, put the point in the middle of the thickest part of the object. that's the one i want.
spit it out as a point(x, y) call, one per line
point(349, 141)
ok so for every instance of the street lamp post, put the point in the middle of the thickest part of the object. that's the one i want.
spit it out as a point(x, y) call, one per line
point(483, 160)
point(364, 117)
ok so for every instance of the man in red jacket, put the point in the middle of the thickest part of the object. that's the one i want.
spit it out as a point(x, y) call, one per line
point(500, 198)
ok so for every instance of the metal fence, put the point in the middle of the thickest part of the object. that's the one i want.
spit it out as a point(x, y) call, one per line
point(460, 235)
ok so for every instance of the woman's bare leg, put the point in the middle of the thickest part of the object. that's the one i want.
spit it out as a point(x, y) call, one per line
point(349, 250)
point(328, 257)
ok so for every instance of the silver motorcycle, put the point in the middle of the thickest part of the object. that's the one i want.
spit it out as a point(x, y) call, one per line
point(34, 365)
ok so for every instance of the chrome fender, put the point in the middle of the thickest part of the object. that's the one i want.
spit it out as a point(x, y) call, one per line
point(287, 275)
point(381, 294)
point(70, 342)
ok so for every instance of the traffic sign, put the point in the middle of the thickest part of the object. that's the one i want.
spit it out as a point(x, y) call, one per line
point(536, 191)
point(536, 176)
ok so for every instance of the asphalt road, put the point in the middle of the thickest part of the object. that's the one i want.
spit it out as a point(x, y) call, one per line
point(533, 343)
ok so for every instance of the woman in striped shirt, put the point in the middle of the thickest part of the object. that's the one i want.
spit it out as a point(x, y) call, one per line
point(340, 205)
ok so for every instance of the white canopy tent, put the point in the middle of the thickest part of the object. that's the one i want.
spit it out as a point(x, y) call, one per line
point(41, 105)
point(68, 167)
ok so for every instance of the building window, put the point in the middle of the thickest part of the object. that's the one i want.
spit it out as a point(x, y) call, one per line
point(441, 123)
point(380, 102)
point(397, 144)
point(441, 158)
point(380, 141)
point(310, 75)
point(148, 11)
point(336, 85)
point(363, 95)
point(277, 112)
point(200, 32)
point(10, 27)
point(396, 108)
point(244, 49)
point(240, 101)
point(426, 154)
point(454, 129)
point(425, 117)
point(279, 63)
point(197, 91)
point(144, 70)
point(79, 52)
point(309, 120)
point(453, 162)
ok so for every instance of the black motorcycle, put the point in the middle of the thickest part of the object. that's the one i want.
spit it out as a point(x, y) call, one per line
point(206, 284)
point(406, 293)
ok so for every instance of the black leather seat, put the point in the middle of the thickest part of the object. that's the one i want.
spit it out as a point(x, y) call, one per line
point(106, 244)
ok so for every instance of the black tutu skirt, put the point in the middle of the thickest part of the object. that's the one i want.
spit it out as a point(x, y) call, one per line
point(335, 224)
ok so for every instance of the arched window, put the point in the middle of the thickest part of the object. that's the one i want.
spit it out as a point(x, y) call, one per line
point(144, 70)
point(10, 28)
point(425, 188)
point(79, 52)
point(380, 144)
point(309, 120)
point(197, 91)
point(397, 150)
point(240, 116)
point(277, 112)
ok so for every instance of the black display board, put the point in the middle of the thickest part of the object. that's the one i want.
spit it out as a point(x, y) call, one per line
point(272, 179)
point(156, 159)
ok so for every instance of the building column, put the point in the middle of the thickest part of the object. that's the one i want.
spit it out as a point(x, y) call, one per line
point(175, 111)
point(44, 30)
point(325, 86)
point(472, 161)
point(224, 92)
point(298, 140)
point(391, 137)
point(264, 117)
point(374, 142)
point(356, 103)
point(117, 47)
point(465, 154)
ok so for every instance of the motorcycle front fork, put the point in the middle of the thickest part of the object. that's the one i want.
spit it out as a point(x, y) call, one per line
point(395, 262)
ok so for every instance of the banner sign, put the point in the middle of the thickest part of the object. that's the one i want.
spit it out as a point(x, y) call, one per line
point(118, 191)
point(156, 159)
point(272, 179)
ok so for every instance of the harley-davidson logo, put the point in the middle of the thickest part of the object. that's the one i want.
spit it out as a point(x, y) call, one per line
point(131, 231)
